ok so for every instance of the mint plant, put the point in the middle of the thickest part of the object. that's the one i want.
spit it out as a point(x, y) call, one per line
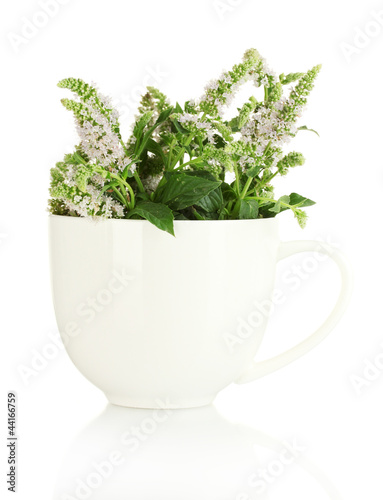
point(177, 163)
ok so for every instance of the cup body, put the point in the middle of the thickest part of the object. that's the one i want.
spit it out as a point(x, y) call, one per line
point(160, 321)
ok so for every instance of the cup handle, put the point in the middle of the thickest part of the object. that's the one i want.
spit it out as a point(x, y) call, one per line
point(286, 249)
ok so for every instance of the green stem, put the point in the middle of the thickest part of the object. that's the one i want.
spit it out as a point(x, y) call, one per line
point(124, 193)
point(189, 139)
point(170, 156)
point(131, 192)
point(264, 198)
point(136, 176)
point(124, 183)
point(182, 152)
point(125, 148)
point(101, 171)
point(177, 158)
point(247, 185)
point(221, 215)
point(139, 183)
point(271, 200)
point(80, 158)
point(267, 148)
point(160, 184)
point(238, 188)
point(197, 215)
point(171, 149)
point(120, 197)
point(263, 183)
point(237, 179)
point(190, 162)
point(236, 209)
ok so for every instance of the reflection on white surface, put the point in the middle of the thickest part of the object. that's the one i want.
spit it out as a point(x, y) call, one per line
point(191, 454)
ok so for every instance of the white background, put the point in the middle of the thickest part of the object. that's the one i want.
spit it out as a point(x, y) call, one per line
point(201, 454)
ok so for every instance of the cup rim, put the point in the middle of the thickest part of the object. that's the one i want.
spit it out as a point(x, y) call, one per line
point(96, 219)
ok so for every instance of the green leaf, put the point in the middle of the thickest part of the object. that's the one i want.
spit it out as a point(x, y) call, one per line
point(141, 124)
point(202, 173)
point(182, 130)
point(143, 196)
point(228, 192)
point(253, 171)
point(249, 209)
point(296, 200)
point(188, 150)
point(197, 164)
point(183, 190)
point(212, 202)
point(127, 172)
point(277, 206)
point(308, 130)
point(169, 138)
point(219, 143)
point(158, 214)
point(140, 146)
point(78, 159)
point(264, 210)
point(155, 148)
point(164, 115)
point(178, 216)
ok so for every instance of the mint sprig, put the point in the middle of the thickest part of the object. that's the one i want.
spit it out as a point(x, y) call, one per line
point(179, 160)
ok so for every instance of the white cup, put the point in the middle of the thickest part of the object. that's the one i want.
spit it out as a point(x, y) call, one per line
point(161, 322)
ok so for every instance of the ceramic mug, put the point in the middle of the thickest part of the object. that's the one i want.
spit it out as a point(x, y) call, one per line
point(158, 321)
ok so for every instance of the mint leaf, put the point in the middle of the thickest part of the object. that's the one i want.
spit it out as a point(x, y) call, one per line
point(141, 124)
point(278, 205)
point(212, 202)
point(253, 171)
point(183, 190)
point(140, 146)
point(158, 214)
point(155, 148)
point(297, 200)
point(228, 192)
point(249, 209)
point(303, 127)
point(164, 115)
